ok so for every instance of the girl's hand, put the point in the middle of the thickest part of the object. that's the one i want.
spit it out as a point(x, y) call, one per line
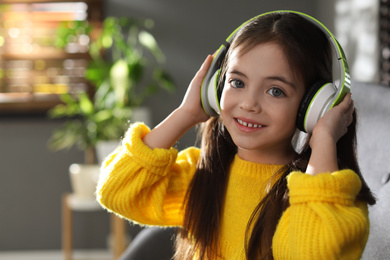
point(328, 130)
point(187, 115)
point(191, 104)
point(334, 124)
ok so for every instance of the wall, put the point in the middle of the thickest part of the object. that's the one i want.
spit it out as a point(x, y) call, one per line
point(33, 179)
point(32, 182)
point(325, 12)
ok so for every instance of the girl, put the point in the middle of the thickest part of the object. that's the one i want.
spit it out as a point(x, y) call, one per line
point(247, 193)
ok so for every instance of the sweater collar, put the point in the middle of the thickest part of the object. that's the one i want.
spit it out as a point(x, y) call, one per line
point(253, 169)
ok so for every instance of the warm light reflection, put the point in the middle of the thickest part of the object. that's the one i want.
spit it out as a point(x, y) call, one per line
point(30, 62)
point(13, 32)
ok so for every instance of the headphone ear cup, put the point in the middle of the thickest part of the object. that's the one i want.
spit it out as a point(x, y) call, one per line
point(306, 100)
point(212, 93)
point(314, 104)
point(209, 97)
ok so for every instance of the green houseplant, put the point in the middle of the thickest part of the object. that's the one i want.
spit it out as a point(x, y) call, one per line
point(125, 69)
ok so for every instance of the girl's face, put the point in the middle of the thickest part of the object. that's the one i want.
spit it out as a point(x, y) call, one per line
point(259, 103)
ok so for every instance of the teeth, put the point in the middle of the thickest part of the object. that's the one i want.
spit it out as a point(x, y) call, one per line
point(248, 124)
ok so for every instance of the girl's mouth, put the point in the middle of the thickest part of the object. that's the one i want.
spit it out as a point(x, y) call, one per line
point(246, 124)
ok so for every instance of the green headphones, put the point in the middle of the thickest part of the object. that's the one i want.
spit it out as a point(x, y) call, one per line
point(319, 98)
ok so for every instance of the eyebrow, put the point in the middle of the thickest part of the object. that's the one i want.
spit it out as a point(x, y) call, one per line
point(238, 73)
point(277, 78)
point(282, 79)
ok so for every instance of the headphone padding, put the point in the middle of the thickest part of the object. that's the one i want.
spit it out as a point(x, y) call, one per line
point(212, 95)
point(305, 103)
point(209, 99)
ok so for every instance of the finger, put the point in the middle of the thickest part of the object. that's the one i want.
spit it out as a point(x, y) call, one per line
point(350, 112)
point(345, 104)
point(351, 107)
point(201, 73)
point(207, 62)
point(205, 66)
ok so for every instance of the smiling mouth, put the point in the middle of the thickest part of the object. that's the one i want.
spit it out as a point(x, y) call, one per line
point(246, 124)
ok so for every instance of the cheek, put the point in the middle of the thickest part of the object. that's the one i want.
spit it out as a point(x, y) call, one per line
point(226, 101)
point(288, 116)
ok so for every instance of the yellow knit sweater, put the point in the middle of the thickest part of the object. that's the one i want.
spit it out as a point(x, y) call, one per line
point(324, 221)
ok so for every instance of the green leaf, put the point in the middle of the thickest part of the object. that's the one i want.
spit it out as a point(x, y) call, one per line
point(86, 104)
point(136, 71)
point(58, 111)
point(109, 24)
point(148, 41)
point(124, 113)
point(68, 99)
point(97, 71)
point(148, 23)
point(69, 108)
point(103, 115)
point(119, 77)
point(104, 96)
point(107, 41)
point(164, 80)
point(67, 136)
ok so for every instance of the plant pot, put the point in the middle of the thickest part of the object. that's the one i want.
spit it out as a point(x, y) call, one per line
point(83, 178)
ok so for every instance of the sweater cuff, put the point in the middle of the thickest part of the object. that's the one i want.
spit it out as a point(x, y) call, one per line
point(155, 160)
point(340, 187)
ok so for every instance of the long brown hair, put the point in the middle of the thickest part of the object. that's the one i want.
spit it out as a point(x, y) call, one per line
point(309, 55)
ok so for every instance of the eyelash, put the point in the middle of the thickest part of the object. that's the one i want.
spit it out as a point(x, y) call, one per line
point(232, 82)
point(282, 94)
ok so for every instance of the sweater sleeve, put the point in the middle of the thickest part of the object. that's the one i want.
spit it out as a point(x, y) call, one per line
point(144, 185)
point(323, 221)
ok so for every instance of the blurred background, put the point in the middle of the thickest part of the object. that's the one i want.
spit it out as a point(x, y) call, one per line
point(66, 72)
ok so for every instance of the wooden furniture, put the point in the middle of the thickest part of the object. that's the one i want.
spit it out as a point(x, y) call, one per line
point(70, 203)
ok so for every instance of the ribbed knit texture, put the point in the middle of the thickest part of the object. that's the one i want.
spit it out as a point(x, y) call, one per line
point(145, 185)
point(323, 222)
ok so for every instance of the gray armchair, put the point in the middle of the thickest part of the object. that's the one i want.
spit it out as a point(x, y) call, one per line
point(373, 104)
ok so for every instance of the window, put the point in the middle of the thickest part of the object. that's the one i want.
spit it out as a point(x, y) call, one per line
point(356, 25)
point(384, 39)
point(33, 71)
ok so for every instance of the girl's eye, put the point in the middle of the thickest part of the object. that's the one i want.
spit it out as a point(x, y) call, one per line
point(276, 92)
point(235, 83)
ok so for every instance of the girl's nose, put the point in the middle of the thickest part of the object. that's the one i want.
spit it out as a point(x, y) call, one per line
point(250, 103)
